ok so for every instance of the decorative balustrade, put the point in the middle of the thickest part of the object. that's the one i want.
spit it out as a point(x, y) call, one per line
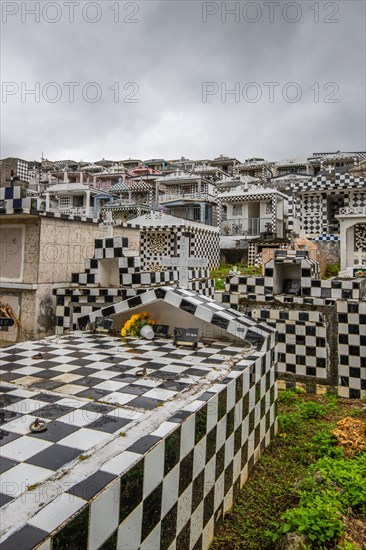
point(352, 211)
point(246, 226)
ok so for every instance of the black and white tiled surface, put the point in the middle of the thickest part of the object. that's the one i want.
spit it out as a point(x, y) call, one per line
point(352, 348)
point(104, 368)
point(307, 324)
point(168, 487)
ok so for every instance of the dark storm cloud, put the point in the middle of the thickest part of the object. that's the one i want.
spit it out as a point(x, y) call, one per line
point(170, 53)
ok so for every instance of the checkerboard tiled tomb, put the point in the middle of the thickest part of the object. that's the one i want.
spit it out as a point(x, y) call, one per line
point(321, 331)
point(113, 275)
point(192, 429)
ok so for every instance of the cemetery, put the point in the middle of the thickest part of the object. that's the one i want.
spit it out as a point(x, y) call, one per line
point(138, 422)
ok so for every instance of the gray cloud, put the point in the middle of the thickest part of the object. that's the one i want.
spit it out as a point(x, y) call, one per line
point(169, 53)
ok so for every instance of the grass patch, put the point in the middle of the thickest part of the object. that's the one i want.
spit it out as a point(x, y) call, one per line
point(302, 481)
point(220, 274)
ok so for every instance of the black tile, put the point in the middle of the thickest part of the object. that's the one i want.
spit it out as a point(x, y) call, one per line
point(55, 431)
point(179, 416)
point(109, 424)
point(185, 472)
point(7, 416)
point(54, 457)
point(6, 464)
point(144, 403)
point(228, 478)
point(92, 485)
point(222, 400)
point(144, 444)
point(47, 398)
point(6, 437)
point(131, 489)
point(48, 385)
point(151, 511)
point(53, 411)
point(135, 389)
point(230, 422)
point(198, 490)
point(172, 450)
point(74, 536)
point(4, 499)
point(211, 444)
point(97, 407)
point(92, 393)
point(27, 537)
point(6, 400)
point(208, 506)
point(183, 538)
point(168, 528)
point(220, 461)
point(111, 543)
point(200, 424)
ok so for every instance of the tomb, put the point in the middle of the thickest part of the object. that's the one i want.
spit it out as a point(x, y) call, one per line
point(321, 323)
point(147, 442)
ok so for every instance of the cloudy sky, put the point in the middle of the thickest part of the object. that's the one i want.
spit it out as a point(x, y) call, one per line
point(156, 79)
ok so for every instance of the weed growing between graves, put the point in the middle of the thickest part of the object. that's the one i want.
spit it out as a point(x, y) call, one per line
point(220, 274)
point(303, 483)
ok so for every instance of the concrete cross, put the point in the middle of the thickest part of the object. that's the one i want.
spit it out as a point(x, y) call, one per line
point(184, 262)
point(108, 223)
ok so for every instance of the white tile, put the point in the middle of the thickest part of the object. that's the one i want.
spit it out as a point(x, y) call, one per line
point(22, 393)
point(79, 417)
point(154, 469)
point(16, 480)
point(27, 370)
point(70, 402)
point(170, 490)
point(103, 375)
point(67, 377)
point(129, 532)
point(104, 516)
point(55, 513)
point(199, 457)
point(20, 425)
point(84, 439)
point(120, 398)
point(46, 545)
point(25, 406)
point(118, 464)
point(23, 448)
point(165, 428)
point(129, 414)
point(184, 508)
point(64, 368)
point(161, 394)
point(110, 385)
point(71, 389)
point(153, 539)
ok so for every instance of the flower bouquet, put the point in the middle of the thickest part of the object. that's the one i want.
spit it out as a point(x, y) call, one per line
point(133, 326)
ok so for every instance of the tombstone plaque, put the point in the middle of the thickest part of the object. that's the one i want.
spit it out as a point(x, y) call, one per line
point(103, 324)
point(6, 322)
point(291, 286)
point(161, 330)
point(186, 337)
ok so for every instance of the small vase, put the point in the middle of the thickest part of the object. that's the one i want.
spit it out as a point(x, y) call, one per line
point(147, 332)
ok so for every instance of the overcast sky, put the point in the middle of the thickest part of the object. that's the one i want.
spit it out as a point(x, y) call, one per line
point(162, 71)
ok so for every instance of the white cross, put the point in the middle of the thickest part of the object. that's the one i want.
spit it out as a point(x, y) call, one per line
point(108, 223)
point(183, 262)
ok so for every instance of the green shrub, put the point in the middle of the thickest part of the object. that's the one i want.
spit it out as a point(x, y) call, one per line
point(286, 396)
point(310, 410)
point(289, 422)
point(325, 444)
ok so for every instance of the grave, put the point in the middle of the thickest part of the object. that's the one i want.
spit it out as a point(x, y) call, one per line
point(129, 461)
point(321, 324)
